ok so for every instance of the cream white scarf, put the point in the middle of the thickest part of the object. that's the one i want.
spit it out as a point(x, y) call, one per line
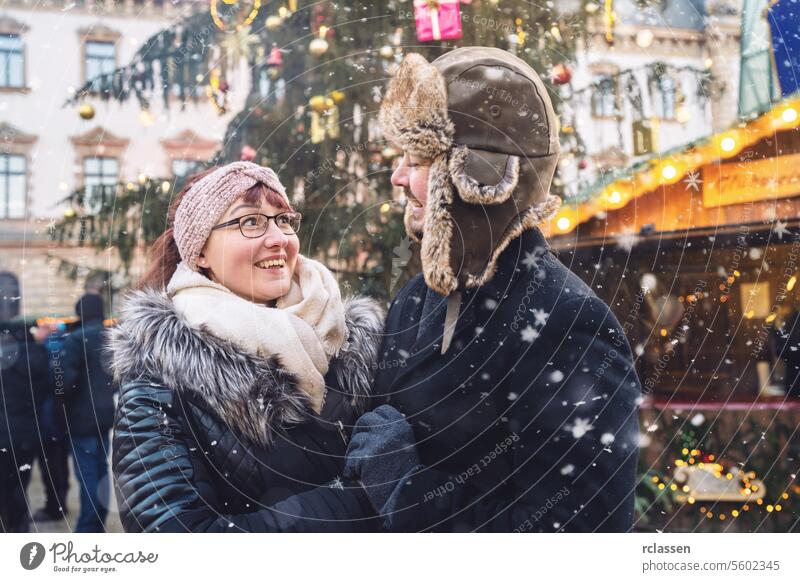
point(304, 331)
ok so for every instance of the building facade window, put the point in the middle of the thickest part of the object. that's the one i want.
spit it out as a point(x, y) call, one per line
point(100, 177)
point(12, 61)
point(100, 171)
point(604, 97)
point(100, 57)
point(13, 185)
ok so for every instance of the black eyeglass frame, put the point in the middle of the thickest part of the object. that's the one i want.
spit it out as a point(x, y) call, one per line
point(238, 222)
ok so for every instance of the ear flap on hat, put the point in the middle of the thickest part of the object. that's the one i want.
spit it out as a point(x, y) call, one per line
point(471, 191)
point(439, 230)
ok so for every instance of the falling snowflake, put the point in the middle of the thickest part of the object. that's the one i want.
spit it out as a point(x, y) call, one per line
point(512, 395)
point(627, 240)
point(336, 484)
point(490, 303)
point(697, 419)
point(556, 376)
point(580, 428)
point(607, 438)
point(567, 469)
point(780, 229)
point(693, 181)
point(529, 334)
point(540, 316)
point(25, 467)
point(532, 258)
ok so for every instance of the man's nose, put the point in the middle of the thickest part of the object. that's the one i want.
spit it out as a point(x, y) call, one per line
point(400, 176)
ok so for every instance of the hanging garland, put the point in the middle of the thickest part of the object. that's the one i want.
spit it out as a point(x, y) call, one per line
point(247, 21)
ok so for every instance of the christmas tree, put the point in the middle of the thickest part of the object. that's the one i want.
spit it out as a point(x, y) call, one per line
point(318, 70)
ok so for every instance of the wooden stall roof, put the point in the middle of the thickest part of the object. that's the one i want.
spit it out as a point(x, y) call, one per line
point(748, 173)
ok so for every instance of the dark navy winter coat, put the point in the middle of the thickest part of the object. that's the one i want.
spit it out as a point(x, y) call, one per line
point(529, 421)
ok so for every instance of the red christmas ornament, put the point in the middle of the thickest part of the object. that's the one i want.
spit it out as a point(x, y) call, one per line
point(561, 74)
point(224, 86)
point(275, 58)
point(583, 164)
point(248, 154)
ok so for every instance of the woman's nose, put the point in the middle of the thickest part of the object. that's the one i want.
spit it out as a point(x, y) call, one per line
point(274, 236)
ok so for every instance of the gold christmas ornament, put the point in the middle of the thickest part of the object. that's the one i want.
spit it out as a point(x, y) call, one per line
point(86, 111)
point(337, 96)
point(321, 103)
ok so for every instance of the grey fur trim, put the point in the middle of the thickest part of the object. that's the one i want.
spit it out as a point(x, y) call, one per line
point(251, 394)
point(471, 191)
point(413, 113)
point(355, 363)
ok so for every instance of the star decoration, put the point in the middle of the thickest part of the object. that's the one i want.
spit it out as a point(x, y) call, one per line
point(693, 181)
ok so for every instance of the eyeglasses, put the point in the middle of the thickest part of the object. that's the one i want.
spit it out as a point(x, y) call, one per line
point(256, 225)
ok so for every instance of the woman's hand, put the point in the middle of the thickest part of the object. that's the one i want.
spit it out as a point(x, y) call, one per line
point(381, 454)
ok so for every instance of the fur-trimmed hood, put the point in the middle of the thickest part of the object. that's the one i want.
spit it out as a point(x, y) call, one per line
point(252, 394)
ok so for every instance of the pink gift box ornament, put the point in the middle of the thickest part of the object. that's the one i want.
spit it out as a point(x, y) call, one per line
point(437, 19)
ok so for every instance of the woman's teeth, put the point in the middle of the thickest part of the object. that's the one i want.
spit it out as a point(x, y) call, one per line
point(271, 264)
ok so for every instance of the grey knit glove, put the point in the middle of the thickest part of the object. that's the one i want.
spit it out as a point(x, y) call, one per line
point(381, 453)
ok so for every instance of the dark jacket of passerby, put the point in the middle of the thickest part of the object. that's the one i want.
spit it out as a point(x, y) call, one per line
point(23, 372)
point(86, 384)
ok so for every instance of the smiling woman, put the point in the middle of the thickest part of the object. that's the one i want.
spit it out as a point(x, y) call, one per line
point(233, 339)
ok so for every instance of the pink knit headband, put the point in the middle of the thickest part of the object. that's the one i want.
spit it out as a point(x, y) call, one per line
point(209, 198)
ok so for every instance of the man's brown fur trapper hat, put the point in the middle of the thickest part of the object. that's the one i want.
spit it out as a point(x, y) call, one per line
point(484, 119)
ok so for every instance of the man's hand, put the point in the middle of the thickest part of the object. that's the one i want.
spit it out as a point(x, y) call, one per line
point(381, 453)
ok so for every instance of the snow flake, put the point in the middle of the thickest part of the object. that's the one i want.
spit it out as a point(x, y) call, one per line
point(556, 376)
point(780, 229)
point(532, 258)
point(529, 334)
point(490, 303)
point(540, 316)
point(567, 469)
point(607, 438)
point(336, 484)
point(580, 428)
point(512, 395)
point(25, 467)
point(627, 240)
point(697, 419)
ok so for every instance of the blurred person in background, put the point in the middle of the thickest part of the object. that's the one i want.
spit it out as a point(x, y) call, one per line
point(87, 396)
point(53, 453)
point(23, 384)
